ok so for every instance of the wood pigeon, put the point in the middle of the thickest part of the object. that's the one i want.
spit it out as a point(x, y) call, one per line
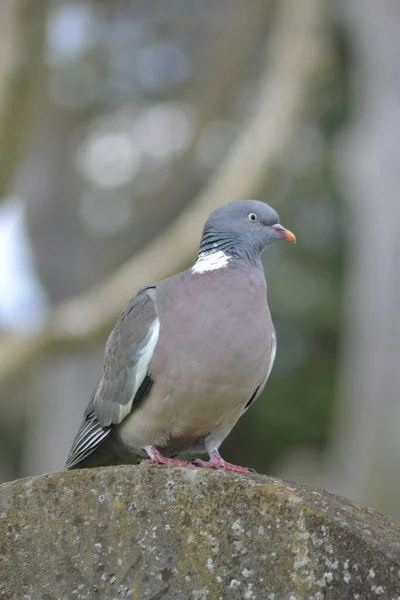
point(188, 355)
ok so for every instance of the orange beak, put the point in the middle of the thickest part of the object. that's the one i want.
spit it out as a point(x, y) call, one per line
point(285, 233)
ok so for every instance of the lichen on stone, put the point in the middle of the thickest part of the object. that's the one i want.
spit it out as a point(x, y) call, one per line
point(149, 533)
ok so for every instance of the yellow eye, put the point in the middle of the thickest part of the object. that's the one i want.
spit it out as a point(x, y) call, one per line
point(252, 217)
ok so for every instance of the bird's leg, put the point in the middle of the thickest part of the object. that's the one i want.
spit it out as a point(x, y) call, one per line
point(217, 462)
point(155, 458)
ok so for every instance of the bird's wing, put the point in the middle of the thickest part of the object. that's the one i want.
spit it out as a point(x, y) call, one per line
point(261, 387)
point(124, 378)
point(128, 352)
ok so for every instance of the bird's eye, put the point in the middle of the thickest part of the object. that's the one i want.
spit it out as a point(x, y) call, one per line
point(252, 217)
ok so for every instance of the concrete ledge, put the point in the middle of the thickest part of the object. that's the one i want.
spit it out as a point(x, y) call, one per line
point(150, 533)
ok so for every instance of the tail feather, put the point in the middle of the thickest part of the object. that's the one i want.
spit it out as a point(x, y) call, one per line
point(87, 440)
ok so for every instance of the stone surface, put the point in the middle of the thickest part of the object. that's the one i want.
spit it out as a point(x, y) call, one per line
point(146, 533)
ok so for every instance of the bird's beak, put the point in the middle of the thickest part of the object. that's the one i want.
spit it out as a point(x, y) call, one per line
point(284, 233)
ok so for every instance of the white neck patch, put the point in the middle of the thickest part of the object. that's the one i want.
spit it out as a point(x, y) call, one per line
point(211, 262)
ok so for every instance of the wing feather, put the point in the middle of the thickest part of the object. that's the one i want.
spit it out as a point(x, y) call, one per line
point(124, 378)
point(261, 387)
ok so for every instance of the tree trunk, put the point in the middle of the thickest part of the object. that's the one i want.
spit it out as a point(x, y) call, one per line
point(22, 32)
point(365, 447)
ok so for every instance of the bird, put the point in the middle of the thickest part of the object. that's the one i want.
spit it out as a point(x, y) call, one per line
point(189, 355)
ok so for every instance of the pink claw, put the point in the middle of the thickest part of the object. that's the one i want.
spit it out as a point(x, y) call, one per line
point(217, 462)
point(155, 458)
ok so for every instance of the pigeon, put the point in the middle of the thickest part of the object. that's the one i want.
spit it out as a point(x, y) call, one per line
point(189, 355)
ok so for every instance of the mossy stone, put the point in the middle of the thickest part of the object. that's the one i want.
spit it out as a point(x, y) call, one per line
point(150, 533)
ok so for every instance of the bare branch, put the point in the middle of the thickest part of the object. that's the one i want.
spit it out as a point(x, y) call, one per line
point(295, 58)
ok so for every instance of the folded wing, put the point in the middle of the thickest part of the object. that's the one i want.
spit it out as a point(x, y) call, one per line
point(124, 379)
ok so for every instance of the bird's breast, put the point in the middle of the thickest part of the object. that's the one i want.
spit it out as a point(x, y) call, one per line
point(215, 336)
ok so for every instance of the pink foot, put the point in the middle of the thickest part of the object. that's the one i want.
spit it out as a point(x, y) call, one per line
point(217, 462)
point(155, 458)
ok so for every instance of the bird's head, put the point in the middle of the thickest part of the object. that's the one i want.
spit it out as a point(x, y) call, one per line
point(243, 228)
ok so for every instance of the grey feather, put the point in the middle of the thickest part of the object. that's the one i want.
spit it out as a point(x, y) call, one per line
point(128, 352)
point(261, 387)
point(124, 379)
point(88, 438)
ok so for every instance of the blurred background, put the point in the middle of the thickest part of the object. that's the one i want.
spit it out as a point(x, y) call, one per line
point(122, 124)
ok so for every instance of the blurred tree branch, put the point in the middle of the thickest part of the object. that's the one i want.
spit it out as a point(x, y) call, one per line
point(222, 50)
point(22, 34)
point(231, 47)
point(295, 56)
